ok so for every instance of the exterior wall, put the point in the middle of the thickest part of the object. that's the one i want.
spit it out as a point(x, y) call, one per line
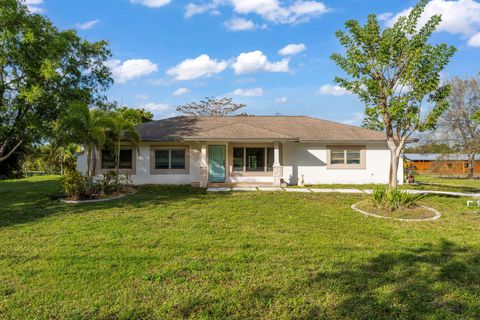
point(310, 159)
point(143, 175)
point(142, 166)
point(82, 162)
point(443, 167)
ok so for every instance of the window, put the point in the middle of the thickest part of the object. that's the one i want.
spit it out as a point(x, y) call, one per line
point(252, 159)
point(162, 159)
point(167, 160)
point(177, 159)
point(337, 157)
point(238, 155)
point(353, 156)
point(346, 157)
point(170, 159)
point(255, 159)
point(126, 159)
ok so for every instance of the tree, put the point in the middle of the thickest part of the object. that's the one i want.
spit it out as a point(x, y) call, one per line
point(42, 70)
point(88, 128)
point(123, 130)
point(135, 116)
point(396, 73)
point(443, 148)
point(211, 106)
point(460, 122)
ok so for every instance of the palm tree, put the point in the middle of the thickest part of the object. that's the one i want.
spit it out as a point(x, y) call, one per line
point(123, 130)
point(89, 128)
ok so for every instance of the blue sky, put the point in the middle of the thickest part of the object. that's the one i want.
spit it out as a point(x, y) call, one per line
point(167, 53)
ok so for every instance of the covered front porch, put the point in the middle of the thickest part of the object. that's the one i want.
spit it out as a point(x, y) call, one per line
point(231, 164)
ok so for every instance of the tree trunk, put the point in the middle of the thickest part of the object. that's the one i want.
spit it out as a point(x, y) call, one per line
point(471, 165)
point(91, 163)
point(395, 152)
point(117, 165)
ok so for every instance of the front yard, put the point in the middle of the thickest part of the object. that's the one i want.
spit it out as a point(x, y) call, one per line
point(176, 252)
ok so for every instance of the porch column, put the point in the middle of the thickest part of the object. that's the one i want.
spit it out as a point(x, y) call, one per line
point(277, 168)
point(203, 166)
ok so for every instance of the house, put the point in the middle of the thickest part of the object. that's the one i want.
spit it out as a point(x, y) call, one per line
point(254, 150)
point(441, 164)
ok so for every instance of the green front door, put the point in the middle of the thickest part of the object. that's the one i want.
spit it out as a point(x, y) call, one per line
point(216, 163)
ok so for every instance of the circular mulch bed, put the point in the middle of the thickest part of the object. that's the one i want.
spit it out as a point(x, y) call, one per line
point(420, 213)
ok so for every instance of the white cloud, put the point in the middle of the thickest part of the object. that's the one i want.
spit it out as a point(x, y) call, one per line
point(239, 24)
point(86, 25)
point(141, 96)
point(458, 17)
point(131, 69)
point(270, 10)
point(256, 61)
point(273, 11)
point(156, 107)
point(180, 91)
point(292, 49)
point(201, 66)
point(330, 90)
point(254, 92)
point(193, 9)
point(34, 6)
point(281, 100)
point(356, 119)
point(152, 3)
point(474, 41)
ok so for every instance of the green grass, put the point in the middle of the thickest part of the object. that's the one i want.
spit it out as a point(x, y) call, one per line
point(175, 252)
point(423, 182)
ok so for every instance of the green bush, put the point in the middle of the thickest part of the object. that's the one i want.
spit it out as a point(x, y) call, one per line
point(106, 182)
point(394, 199)
point(74, 185)
point(378, 195)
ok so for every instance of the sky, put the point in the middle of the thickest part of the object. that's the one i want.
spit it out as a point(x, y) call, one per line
point(272, 55)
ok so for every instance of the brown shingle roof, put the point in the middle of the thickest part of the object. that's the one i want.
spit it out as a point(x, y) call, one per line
point(297, 128)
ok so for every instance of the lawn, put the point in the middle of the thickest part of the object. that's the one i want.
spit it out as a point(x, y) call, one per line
point(176, 252)
point(423, 182)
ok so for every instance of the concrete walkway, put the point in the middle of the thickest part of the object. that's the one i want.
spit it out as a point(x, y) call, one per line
point(326, 190)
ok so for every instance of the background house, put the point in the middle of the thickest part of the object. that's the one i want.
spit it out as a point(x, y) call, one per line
point(441, 164)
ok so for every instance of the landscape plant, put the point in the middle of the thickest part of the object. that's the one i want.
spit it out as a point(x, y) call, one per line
point(42, 70)
point(88, 128)
point(122, 130)
point(74, 184)
point(393, 199)
point(396, 73)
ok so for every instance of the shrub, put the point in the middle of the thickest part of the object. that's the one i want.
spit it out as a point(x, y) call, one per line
point(393, 199)
point(378, 195)
point(74, 184)
point(106, 181)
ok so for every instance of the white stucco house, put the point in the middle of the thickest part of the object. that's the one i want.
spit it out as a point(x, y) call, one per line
point(251, 150)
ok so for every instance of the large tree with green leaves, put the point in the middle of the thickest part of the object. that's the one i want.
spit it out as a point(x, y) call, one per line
point(42, 70)
point(395, 71)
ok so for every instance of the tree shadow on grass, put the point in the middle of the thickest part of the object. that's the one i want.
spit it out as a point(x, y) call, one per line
point(434, 281)
point(42, 199)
